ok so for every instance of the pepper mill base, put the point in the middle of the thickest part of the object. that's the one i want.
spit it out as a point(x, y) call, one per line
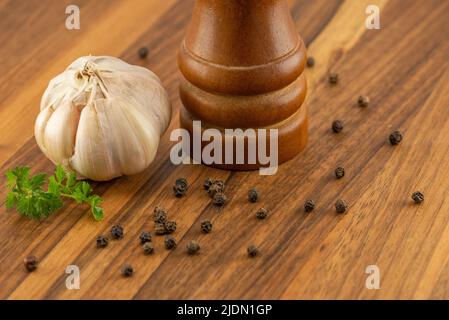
point(292, 139)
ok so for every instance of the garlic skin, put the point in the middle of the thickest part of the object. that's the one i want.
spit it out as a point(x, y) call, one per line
point(103, 118)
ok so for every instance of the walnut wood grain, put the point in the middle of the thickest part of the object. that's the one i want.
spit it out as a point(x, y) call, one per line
point(403, 68)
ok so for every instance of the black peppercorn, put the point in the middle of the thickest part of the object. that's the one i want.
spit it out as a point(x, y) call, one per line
point(182, 182)
point(217, 186)
point(170, 242)
point(143, 52)
point(179, 191)
point(253, 195)
point(117, 232)
point(159, 215)
point(159, 228)
point(310, 62)
point(220, 199)
point(206, 226)
point(339, 172)
point(262, 213)
point(145, 237)
point(30, 263)
point(309, 206)
point(253, 251)
point(102, 241)
point(363, 101)
point(333, 78)
point(418, 197)
point(207, 183)
point(127, 270)
point(341, 206)
point(337, 126)
point(180, 187)
point(148, 247)
point(396, 138)
point(193, 247)
point(170, 226)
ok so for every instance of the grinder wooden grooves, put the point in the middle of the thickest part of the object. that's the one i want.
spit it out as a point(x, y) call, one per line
point(242, 80)
point(252, 111)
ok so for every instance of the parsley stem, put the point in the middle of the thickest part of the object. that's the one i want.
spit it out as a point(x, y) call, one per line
point(67, 195)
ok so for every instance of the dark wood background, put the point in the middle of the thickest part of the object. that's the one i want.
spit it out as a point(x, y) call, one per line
point(403, 68)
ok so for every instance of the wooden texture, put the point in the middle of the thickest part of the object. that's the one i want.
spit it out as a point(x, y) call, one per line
point(403, 68)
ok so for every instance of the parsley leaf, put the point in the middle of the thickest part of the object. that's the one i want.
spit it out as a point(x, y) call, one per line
point(95, 203)
point(31, 200)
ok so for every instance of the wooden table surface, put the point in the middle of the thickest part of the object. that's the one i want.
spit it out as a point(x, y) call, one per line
point(403, 68)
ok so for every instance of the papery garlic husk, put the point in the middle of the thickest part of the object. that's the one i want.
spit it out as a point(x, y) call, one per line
point(103, 118)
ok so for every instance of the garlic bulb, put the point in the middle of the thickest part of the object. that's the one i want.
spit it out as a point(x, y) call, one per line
point(103, 118)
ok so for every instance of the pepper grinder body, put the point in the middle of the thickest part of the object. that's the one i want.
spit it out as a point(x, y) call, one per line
point(242, 64)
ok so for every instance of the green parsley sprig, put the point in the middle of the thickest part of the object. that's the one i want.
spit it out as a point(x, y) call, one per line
point(28, 196)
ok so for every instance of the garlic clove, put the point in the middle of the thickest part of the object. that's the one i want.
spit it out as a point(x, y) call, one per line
point(147, 136)
point(59, 132)
point(39, 129)
point(126, 151)
point(54, 93)
point(91, 157)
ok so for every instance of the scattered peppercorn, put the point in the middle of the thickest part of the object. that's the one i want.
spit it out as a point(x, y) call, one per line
point(207, 183)
point(337, 126)
point(333, 78)
point(170, 226)
point(418, 197)
point(206, 226)
point(102, 241)
point(309, 205)
point(219, 183)
point(117, 232)
point(341, 206)
point(310, 62)
point(159, 228)
point(193, 247)
point(148, 247)
point(396, 138)
point(220, 199)
point(217, 186)
point(159, 215)
point(170, 242)
point(262, 213)
point(145, 237)
point(339, 172)
point(179, 191)
point(127, 270)
point(143, 52)
point(30, 263)
point(253, 195)
point(182, 182)
point(363, 101)
point(253, 251)
point(180, 187)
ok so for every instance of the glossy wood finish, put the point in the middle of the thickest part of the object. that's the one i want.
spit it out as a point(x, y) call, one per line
point(242, 67)
point(403, 68)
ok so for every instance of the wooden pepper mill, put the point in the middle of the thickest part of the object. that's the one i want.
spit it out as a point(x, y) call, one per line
point(242, 65)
